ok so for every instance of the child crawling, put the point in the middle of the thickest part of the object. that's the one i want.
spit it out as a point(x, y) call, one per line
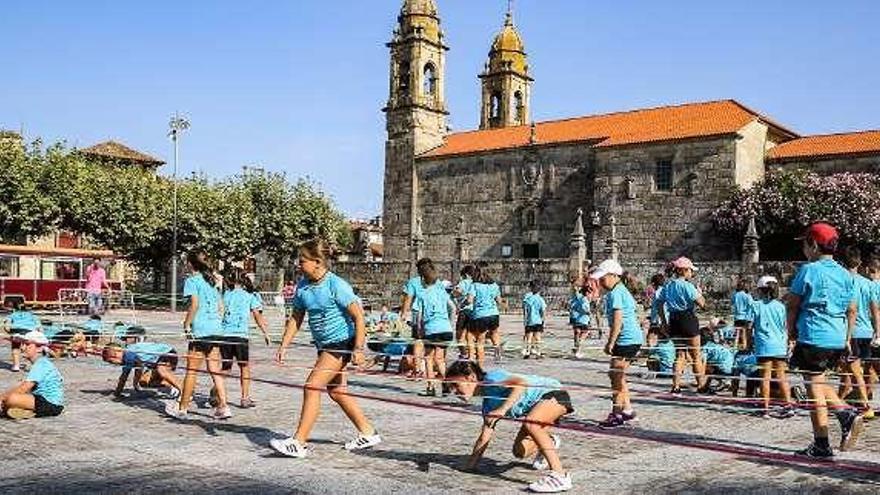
point(153, 365)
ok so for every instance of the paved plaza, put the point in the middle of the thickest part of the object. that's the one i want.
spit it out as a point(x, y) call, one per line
point(688, 444)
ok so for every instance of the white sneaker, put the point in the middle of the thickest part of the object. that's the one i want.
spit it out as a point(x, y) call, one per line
point(540, 462)
point(364, 442)
point(16, 369)
point(173, 393)
point(289, 447)
point(172, 409)
point(579, 355)
point(222, 412)
point(525, 353)
point(552, 483)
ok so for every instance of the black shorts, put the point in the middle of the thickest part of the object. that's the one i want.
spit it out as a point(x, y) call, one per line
point(625, 351)
point(438, 340)
point(414, 332)
point(204, 346)
point(861, 349)
point(237, 348)
point(15, 336)
point(486, 324)
point(463, 321)
point(44, 408)
point(812, 359)
point(742, 323)
point(767, 359)
point(535, 328)
point(562, 397)
point(62, 337)
point(683, 324)
point(342, 349)
point(169, 359)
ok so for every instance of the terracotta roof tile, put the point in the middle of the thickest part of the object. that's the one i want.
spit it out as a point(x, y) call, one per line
point(113, 150)
point(827, 145)
point(614, 129)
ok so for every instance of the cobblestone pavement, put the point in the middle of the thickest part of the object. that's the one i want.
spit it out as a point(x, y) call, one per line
point(692, 445)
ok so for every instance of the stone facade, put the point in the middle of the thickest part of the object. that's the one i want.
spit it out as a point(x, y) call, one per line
point(867, 163)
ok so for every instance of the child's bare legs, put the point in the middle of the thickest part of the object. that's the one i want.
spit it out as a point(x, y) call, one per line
point(766, 372)
point(534, 435)
point(215, 368)
point(495, 338)
point(16, 354)
point(858, 376)
point(697, 358)
point(781, 367)
point(537, 342)
point(245, 380)
point(619, 387)
point(429, 366)
point(168, 377)
point(477, 347)
point(678, 367)
point(822, 395)
point(440, 361)
point(18, 401)
point(194, 360)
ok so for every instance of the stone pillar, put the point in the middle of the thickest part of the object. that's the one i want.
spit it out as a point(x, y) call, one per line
point(417, 245)
point(751, 254)
point(460, 256)
point(577, 253)
point(612, 246)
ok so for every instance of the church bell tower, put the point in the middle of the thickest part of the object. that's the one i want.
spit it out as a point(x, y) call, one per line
point(506, 81)
point(415, 117)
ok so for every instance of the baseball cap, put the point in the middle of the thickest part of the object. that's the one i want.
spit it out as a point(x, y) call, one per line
point(607, 267)
point(683, 262)
point(821, 233)
point(766, 280)
point(35, 336)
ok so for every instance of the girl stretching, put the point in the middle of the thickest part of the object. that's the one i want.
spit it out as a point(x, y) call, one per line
point(485, 297)
point(771, 344)
point(625, 338)
point(536, 401)
point(203, 324)
point(681, 298)
point(434, 309)
point(336, 321)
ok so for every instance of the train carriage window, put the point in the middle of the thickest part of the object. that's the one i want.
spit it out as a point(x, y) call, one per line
point(61, 269)
point(8, 266)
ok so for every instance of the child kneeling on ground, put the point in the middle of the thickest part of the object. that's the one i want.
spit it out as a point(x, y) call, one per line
point(154, 365)
point(536, 401)
point(41, 393)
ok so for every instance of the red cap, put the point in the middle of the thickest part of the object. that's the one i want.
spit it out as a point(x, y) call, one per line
point(821, 233)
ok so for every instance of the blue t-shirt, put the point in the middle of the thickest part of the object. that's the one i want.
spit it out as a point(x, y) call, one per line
point(464, 288)
point(326, 304)
point(147, 353)
point(654, 317)
point(484, 299)
point(679, 295)
point(534, 307)
point(745, 363)
point(826, 290)
point(620, 299)
point(770, 334)
point(579, 309)
point(237, 307)
point(206, 322)
point(395, 347)
point(742, 306)
point(665, 355)
point(865, 294)
point(92, 326)
point(495, 393)
point(53, 329)
point(23, 321)
point(413, 288)
point(719, 356)
point(49, 383)
point(432, 307)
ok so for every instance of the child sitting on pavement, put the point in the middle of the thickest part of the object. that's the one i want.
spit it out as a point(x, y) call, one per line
point(41, 394)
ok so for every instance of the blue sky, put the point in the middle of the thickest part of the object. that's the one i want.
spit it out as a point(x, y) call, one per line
point(298, 85)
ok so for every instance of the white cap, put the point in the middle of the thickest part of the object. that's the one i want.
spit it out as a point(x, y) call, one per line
point(607, 267)
point(766, 280)
point(35, 336)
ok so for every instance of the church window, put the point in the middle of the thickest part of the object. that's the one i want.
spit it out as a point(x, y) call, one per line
point(520, 108)
point(495, 106)
point(506, 251)
point(531, 221)
point(531, 251)
point(663, 175)
point(403, 76)
point(429, 84)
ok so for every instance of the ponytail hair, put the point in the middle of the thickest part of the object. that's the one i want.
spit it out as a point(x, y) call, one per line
point(200, 263)
point(481, 273)
point(240, 277)
point(315, 250)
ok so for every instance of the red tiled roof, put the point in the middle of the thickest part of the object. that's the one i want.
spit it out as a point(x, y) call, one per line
point(827, 145)
point(112, 150)
point(647, 125)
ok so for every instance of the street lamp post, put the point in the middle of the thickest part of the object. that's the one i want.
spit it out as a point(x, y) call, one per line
point(177, 125)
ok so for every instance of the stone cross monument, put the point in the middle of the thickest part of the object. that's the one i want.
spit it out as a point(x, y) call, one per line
point(577, 247)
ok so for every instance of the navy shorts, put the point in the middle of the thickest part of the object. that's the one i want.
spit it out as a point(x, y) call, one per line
point(861, 349)
point(486, 324)
point(625, 351)
point(813, 359)
point(43, 408)
point(535, 328)
point(341, 350)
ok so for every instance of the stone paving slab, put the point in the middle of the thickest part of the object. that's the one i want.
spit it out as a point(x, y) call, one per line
point(99, 445)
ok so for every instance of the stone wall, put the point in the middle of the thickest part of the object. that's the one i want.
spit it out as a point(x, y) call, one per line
point(869, 163)
point(523, 196)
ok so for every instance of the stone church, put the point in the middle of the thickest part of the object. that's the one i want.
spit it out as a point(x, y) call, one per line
point(645, 181)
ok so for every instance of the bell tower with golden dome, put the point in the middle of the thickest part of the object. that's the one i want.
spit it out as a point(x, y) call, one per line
point(415, 116)
point(506, 81)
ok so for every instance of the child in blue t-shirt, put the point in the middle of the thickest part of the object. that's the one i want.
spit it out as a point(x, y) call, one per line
point(770, 341)
point(19, 322)
point(153, 364)
point(820, 304)
point(534, 306)
point(434, 311)
point(538, 401)
point(625, 338)
point(861, 332)
point(578, 317)
point(41, 393)
point(741, 303)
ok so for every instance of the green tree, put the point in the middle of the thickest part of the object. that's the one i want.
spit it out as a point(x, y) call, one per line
point(25, 209)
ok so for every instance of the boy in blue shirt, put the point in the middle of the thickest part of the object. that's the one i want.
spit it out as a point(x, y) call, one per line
point(820, 302)
point(153, 365)
point(625, 338)
point(41, 393)
point(534, 307)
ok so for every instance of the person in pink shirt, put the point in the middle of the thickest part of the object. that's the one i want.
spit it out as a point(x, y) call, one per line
point(96, 280)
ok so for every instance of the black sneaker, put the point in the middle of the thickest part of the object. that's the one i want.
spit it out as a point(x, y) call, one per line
point(851, 426)
point(816, 452)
